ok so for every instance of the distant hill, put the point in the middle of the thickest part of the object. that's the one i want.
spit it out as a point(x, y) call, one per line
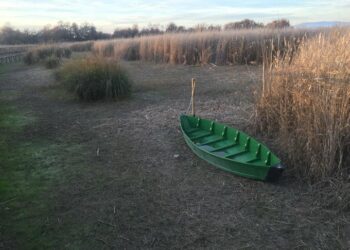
point(314, 25)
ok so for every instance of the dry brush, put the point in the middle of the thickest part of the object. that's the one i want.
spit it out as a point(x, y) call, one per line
point(218, 47)
point(305, 103)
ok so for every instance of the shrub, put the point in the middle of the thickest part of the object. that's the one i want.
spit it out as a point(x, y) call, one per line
point(95, 78)
point(67, 52)
point(305, 104)
point(61, 52)
point(81, 46)
point(30, 58)
point(52, 62)
point(43, 52)
point(108, 50)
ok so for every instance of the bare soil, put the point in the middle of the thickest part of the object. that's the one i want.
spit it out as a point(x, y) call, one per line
point(129, 181)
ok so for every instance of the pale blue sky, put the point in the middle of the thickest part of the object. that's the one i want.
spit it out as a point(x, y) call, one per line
point(109, 14)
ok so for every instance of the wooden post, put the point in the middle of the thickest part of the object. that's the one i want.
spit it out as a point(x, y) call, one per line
point(192, 96)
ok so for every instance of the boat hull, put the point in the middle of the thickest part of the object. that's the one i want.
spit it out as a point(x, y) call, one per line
point(266, 172)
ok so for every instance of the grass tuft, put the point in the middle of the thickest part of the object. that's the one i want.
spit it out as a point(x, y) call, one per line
point(30, 58)
point(95, 78)
point(52, 62)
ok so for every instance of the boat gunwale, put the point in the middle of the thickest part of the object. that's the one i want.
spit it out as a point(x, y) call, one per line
point(224, 158)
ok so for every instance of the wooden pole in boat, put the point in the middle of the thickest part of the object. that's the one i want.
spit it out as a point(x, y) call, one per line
point(192, 96)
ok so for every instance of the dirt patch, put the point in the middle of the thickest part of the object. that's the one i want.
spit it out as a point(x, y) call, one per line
point(123, 187)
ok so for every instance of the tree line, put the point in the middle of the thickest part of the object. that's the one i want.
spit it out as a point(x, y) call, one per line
point(66, 32)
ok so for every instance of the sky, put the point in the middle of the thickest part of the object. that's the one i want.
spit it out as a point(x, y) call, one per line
point(107, 15)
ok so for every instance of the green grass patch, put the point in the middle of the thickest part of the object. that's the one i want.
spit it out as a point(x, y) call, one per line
point(8, 68)
point(9, 95)
point(30, 170)
point(3, 68)
point(11, 120)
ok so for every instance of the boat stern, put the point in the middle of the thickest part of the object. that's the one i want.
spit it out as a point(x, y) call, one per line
point(274, 172)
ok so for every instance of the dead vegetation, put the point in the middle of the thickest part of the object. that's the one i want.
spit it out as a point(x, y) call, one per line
point(305, 104)
point(54, 52)
point(218, 47)
point(47, 53)
point(12, 49)
point(81, 46)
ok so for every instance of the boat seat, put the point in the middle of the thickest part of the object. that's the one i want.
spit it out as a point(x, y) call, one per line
point(200, 135)
point(227, 154)
point(246, 157)
point(236, 153)
point(190, 131)
point(206, 148)
point(223, 147)
point(220, 153)
point(212, 140)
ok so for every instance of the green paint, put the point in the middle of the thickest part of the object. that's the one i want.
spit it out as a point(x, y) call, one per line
point(230, 149)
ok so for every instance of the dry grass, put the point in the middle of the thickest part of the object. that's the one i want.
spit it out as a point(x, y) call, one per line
point(43, 52)
point(95, 78)
point(80, 46)
point(218, 47)
point(12, 49)
point(60, 50)
point(52, 62)
point(305, 103)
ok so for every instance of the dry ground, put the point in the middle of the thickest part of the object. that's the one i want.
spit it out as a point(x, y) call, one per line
point(121, 176)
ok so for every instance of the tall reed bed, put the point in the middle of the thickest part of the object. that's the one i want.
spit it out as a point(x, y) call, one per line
point(218, 47)
point(305, 104)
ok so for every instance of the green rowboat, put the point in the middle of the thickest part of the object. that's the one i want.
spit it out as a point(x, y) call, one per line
point(230, 149)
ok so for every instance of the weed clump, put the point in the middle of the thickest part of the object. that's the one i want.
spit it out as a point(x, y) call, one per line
point(81, 46)
point(52, 62)
point(30, 58)
point(95, 78)
point(42, 53)
point(62, 52)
